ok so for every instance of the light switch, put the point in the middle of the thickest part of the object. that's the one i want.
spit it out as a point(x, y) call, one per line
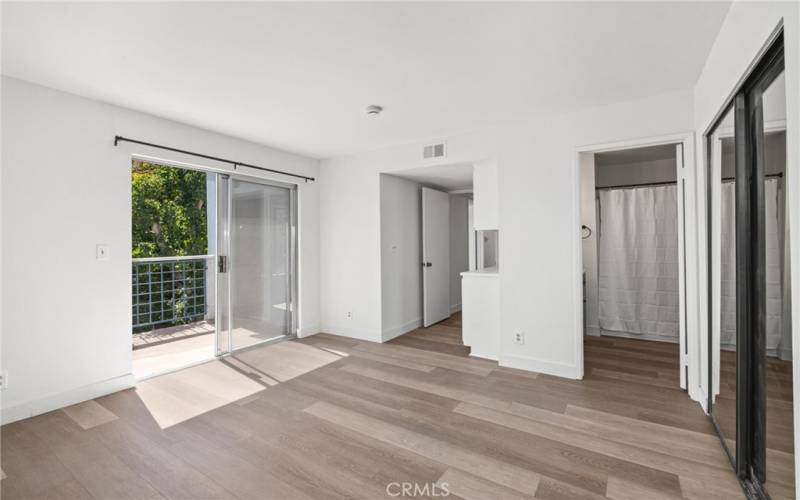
point(103, 252)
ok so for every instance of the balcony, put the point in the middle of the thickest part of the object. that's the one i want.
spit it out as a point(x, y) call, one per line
point(172, 313)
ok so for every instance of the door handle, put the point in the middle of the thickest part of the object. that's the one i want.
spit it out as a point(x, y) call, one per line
point(222, 263)
point(427, 264)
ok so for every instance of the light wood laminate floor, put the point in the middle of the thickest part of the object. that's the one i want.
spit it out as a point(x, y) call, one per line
point(330, 417)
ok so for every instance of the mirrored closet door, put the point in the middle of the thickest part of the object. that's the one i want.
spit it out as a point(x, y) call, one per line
point(749, 290)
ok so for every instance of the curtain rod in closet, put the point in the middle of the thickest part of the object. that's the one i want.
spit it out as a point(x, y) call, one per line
point(669, 183)
point(236, 164)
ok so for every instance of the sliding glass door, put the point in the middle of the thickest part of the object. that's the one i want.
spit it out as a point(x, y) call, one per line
point(750, 313)
point(256, 264)
point(260, 262)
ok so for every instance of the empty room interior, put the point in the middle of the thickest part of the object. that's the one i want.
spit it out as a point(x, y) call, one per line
point(469, 250)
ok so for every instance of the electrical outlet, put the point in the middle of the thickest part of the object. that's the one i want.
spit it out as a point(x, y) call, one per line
point(519, 337)
point(348, 315)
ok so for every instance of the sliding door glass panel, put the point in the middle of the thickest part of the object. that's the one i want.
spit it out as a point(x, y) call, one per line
point(260, 262)
point(722, 176)
point(223, 343)
point(778, 335)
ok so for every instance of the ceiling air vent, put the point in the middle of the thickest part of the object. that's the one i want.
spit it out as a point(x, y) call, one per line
point(433, 151)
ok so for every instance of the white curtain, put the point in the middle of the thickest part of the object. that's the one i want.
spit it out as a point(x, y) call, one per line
point(638, 261)
point(774, 233)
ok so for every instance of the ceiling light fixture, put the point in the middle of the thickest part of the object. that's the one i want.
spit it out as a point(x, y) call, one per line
point(373, 110)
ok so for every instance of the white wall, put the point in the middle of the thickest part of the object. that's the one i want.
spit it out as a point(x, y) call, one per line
point(350, 246)
point(742, 36)
point(459, 247)
point(401, 255)
point(65, 188)
point(640, 172)
point(485, 189)
point(540, 222)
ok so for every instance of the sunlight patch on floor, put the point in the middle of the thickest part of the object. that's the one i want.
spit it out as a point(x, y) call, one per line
point(286, 360)
point(176, 397)
point(154, 360)
point(179, 396)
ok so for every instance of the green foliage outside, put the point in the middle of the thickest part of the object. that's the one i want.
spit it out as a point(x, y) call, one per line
point(170, 219)
point(169, 211)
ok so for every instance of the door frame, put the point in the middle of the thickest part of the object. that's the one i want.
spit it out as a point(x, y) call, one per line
point(687, 242)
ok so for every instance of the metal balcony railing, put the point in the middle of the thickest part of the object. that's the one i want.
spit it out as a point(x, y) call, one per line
point(168, 291)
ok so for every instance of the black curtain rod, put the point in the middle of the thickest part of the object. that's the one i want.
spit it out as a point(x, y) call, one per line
point(236, 164)
point(669, 183)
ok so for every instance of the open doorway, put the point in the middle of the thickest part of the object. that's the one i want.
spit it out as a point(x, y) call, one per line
point(632, 274)
point(173, 215)
point(425, 246)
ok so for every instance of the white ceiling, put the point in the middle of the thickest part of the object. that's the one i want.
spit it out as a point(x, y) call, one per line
point(455, 177)
point(297, 75)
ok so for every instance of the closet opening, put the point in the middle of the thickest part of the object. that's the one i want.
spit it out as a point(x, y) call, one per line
point(632, 219)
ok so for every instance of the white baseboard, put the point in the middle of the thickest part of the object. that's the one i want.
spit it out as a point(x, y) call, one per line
point(351, 332)
point(699, 395)
point(592, 331)
point(539, 366)
point(483, 355)
point(454, 308)
point(68, 398)
point(308, 331)
point(396, 331)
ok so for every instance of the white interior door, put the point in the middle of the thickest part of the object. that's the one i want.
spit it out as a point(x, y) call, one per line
point(435, 256)
point(684, 343)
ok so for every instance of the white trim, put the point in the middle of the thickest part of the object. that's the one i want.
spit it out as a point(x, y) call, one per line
point(307, 331)
point(454, 308)
point(635, 143)
point(68, 398)
point(479, 355)
point(395, 331)
point(368, 335)
point(539, 366)
point(691, 327)
point(699, 395)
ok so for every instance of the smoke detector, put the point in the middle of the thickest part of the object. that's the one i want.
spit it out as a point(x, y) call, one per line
point(373, 110)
